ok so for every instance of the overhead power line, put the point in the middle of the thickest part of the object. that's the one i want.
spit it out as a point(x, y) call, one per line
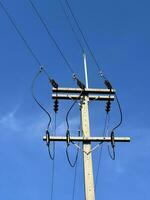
point(83, 36)
point(51, 36)
point(20, 34)
point(71, 26)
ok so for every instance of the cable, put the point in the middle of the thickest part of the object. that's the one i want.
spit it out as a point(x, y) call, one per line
point(121, 114)
point(105, 130)
point(107, 83)
point(71, 26)
point(68, 134)
point(53, 166)
point(48, 114)
point(20, 34)
point(52, 184)
point(51, 36)
point(84, 38)
point(72, 164)
point(109, 86)
point(67, 115)
point(74, 182)
point(35, 99)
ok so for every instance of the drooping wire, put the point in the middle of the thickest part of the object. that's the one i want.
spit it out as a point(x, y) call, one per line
point(121, 114)
point(37, 101)
point(67, 115)
point(51, 36)
point(112, 155)
point(42, 107)
point(71, 26)
point(72, 164)
point(20, 34)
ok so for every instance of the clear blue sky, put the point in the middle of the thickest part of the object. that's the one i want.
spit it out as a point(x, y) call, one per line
point(118, 32)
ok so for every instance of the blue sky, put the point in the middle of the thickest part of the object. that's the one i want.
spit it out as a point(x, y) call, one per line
point(118, 32)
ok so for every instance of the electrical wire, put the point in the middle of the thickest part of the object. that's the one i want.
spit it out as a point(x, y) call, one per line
point(95, 60)
point(20, 34)
point(75, 174)
point(53, 165)
point(121, 114)
point(42, 107)
point(105, 130)
point(52, 184)
point(71, 26)
point(51, 36)
point(74, 182)
point(35, 99)
point(67, 115)
point(84, 38)
point(72, 164)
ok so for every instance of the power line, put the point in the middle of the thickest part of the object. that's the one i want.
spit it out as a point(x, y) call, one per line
point(105, 130)
point(83, 36)
point(20, 34)
point(51, 36)
point(53, 165)
point(74, 182)
point(71, 26)
point(107, 83)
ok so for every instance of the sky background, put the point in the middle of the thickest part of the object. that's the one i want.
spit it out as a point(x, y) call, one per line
point(118, 32)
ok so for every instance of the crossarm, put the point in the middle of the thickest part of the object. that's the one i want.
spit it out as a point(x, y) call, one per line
point(87, 139)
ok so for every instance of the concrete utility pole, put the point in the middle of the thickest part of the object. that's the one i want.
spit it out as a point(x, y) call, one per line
point(87, 158)
point(87, 94)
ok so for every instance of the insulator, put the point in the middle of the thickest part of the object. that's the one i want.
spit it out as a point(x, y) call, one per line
point(108, 104)
point(68, 137)
point(108, 84)
point(47, 137)
point(80, 84)
point(56, 105)
point(54, 84)
point(112, 139)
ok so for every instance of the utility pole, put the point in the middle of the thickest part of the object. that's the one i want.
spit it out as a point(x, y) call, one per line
point(87, 95)
point(87, 158)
